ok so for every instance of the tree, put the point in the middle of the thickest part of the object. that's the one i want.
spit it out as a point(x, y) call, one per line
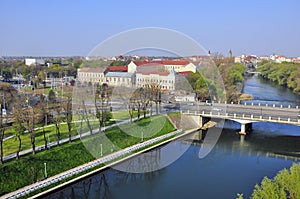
point(3, 125)
point(145, 98)
point(155, 95)
point(29, 125)
point(8, 95)
point(19, 125)
point(58, 118)
point(69, 114)
point(284, 185)
point(102, 104)
point(85, 116)
point(42, 116)
point(52, 96)
point(284, 74)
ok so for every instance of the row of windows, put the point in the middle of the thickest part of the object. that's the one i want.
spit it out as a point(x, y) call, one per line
point(174, 67)
point(155, 80)
point(118, 79)
point(161, 86)
point(109, 79)
point(90, 75)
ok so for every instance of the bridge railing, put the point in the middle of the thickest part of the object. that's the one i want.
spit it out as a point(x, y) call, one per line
point(251, 117)
point(258, 104)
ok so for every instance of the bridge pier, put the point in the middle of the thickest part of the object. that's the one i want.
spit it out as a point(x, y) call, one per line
point(203, 120)
point(246, 126)
point(198, 136)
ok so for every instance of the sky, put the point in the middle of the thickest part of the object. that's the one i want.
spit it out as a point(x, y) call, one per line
point(75, 27)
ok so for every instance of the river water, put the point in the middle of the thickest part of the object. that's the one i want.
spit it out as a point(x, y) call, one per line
point(233, 166)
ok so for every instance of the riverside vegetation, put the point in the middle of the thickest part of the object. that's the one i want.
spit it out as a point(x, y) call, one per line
point(284, 74)
point(286, 184)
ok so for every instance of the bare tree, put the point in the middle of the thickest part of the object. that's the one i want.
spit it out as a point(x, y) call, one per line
point(2, 131)
point(68, 114)
point(85, 115)
point(42, 117)
point(102, 104)
point(58, 118)
point(155, 95)
point(29, 124)
point(19, 120)
point(145, 98)
point(131, 108)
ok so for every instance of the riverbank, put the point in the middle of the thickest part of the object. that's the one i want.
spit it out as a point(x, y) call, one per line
point(138, 150)
point(267, 92)
point(96, 166)
point(58, 159)
point(283, 74)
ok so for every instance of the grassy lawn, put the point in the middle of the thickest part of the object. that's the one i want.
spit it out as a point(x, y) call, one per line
point(11, 145)
point(30, 168)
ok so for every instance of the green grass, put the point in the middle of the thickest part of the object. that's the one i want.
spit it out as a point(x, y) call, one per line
point(16, 174)
point(11, 145)
point(122, 115)
point(30, 168)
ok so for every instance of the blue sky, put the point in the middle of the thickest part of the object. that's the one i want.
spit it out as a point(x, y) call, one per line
point(75, 27)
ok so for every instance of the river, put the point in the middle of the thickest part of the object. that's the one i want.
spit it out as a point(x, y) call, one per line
point(233, 166)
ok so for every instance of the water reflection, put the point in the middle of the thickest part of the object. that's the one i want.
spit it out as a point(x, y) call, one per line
point(266, 92)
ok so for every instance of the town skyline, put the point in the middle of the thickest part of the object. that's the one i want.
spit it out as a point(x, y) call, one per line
point(74, 28)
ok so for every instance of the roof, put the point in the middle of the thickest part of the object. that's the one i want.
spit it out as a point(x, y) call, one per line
point(118, 74)
point(185, 73)
point(139, 63)
point(163, 62)
point(172, 62)
point(117, 68)
point(154, 72)
point(92, 70)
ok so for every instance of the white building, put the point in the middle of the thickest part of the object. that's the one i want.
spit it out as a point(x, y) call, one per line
point(120, 79)
point(237, 59)
point(93, 75)
point(34, 61)
point(170, 65)
point(132, 66)
point(156, 75)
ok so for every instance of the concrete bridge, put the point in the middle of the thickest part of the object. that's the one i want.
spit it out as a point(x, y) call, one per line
point(245, 114)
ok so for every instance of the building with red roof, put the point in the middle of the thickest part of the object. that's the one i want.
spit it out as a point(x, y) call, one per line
point(157, 75)
point(116, 69)
point(170, 65)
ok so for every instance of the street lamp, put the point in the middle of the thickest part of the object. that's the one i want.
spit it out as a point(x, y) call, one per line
point(101, 152)
point(45, 165)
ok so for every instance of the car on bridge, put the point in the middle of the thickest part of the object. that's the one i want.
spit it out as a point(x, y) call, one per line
point(217, 109)
point(208, 103)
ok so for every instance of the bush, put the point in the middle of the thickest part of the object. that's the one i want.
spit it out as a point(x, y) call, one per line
point(286, 184)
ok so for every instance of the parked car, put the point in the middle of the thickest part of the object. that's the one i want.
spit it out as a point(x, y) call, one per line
point(208, 103)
